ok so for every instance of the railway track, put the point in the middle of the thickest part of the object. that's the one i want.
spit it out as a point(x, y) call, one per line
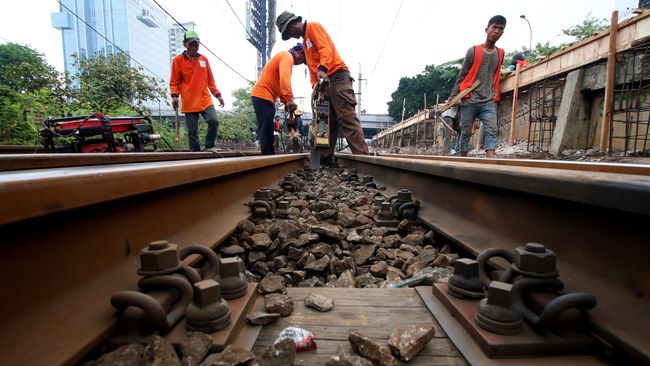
point(71, 233)
point(39, 161)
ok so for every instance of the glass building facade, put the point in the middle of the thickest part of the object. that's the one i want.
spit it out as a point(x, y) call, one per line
point(176, 34)
point(137, 27)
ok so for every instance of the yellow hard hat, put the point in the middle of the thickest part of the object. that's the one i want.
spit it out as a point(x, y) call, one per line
point(298, 112)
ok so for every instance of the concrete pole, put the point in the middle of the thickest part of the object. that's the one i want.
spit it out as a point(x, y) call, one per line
point(609, 86)
point(361, 80)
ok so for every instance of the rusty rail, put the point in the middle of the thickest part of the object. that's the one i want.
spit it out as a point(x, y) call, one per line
point(41, 161)
point(21, 149)
point(71, 236)
point(594, 221)
point(636, 169)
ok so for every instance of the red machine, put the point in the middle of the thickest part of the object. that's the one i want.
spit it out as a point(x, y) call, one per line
point(97, 133)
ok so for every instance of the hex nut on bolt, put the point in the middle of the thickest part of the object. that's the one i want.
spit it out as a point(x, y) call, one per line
point(283, 209)
point(230, 267)
point(465, 281)
point(499, 294)
point(208, 312)
point(263, 194)
point(385, 211)
point(232, 279)
point(404, 194)
point(159, 258)
point(535, 260)
point(206, 292)
point(497, 313)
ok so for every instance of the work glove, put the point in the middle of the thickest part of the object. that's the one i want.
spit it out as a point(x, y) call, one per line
point(175, 102)
point(322, 76)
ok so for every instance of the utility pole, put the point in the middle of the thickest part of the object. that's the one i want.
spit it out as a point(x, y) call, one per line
point(403, 109)
point(260, 29)
point(360, 80)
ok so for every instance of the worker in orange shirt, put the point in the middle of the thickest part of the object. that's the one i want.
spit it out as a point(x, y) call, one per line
point(192, 80)
point(324, 62)
point(274, 82)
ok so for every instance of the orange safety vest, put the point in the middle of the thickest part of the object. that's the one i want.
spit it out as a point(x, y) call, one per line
point(473, 71)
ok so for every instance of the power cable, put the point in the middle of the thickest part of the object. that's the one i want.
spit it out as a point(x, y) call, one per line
point(203, 44)
point(109, 41)
point(222, 12)
point(238, 19)
point(386, 41)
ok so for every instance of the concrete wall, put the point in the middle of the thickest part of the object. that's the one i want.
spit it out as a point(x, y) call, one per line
point(580, 112)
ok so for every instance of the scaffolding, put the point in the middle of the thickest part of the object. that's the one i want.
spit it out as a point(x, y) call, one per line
point(544, 98)
point(631, 108)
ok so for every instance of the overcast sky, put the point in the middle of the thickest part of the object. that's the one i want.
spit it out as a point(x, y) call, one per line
point(426, 32)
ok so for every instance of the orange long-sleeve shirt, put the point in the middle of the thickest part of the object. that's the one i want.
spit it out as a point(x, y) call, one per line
point(320, 51)
point(192, 80)
point(275, 80)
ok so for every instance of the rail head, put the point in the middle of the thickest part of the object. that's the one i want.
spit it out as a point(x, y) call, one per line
point(31, 193)
point(587, 184)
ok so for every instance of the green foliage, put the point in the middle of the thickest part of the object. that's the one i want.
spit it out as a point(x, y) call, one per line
point(108, 84)
point(232, 125)
point(167, 130)
point(30, 90)
point(241, 122)
point(580, 31)
point(532, 56)
point(432, 81)
point(587, 28)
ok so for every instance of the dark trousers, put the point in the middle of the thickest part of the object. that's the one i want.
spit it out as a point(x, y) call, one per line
point(192, 123)
point(265, 114)
point(343, 115)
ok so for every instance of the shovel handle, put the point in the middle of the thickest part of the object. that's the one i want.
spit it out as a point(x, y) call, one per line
point(178, 125)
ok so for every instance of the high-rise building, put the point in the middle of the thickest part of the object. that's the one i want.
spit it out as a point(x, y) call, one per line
point(137, 27)
point(176, 33)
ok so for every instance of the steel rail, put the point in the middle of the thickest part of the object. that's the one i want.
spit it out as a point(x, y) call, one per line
point(636, 169)
point(41, 161)
point(21, 149)
point(71, 238)
point(32, 193)
point(594, 221)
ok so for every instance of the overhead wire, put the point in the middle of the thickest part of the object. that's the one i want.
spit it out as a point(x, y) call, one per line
point(111, 42)
point(238, 19)
point(390, 31)
point(222, 12)
point(203, 44)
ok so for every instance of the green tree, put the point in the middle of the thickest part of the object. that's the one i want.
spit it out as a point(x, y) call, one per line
point(434, 80)
point(30, 90)
point(109, 84)
point(538, 53)
point(241, 121)
point(587, 28)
